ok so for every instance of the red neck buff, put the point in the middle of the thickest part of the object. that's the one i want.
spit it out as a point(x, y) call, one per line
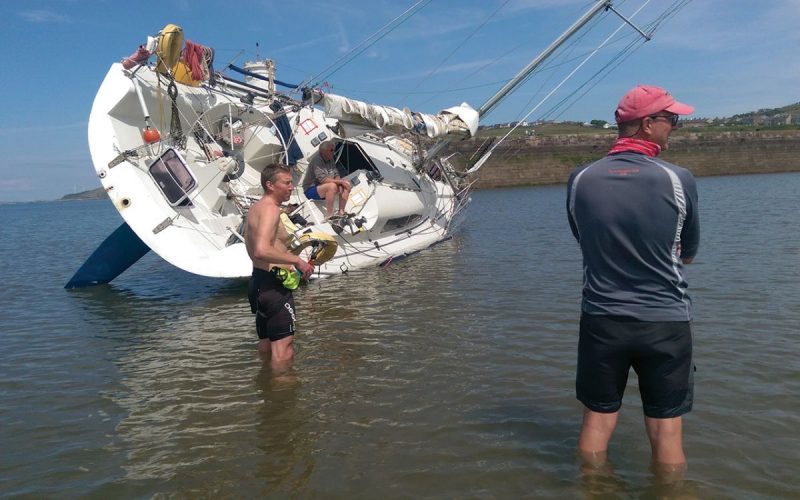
point(635, 145)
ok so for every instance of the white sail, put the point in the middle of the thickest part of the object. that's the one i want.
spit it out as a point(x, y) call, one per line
point(460, 121)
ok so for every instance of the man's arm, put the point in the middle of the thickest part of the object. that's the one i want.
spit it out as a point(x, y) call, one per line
point(690, 232)
point(572, 223)
point(326, 178)
point(323, 176)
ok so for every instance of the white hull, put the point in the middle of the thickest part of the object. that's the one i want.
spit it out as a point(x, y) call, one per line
point(191, 213)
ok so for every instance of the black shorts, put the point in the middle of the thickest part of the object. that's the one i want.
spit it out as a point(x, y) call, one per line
point(659, 352)
point(273, 305)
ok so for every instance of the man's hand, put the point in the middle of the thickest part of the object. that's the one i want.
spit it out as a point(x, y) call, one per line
point(304, 267)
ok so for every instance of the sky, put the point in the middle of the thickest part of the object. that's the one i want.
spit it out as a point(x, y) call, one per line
point(724, 57)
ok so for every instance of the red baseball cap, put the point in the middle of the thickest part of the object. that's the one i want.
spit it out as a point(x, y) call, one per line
point(645, 100)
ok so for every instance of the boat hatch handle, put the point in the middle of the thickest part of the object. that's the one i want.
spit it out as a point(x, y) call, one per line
point(162, 225)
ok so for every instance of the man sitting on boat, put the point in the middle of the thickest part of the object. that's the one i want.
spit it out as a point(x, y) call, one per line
point(323, 180)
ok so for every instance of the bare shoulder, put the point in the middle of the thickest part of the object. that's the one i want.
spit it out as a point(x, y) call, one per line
point(262, 208)
point(258, 217)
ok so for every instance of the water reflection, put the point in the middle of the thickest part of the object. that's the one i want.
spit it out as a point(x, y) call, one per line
point(286, 459)
point(598, 477)
point(448, 374)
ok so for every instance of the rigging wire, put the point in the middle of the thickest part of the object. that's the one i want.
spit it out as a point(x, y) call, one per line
point(554, 113)
point(562, 106)
point(563, 81)
point(545, 67)
point(595, 79)
point(456, 49)
point(367, 43)
point(567, 50)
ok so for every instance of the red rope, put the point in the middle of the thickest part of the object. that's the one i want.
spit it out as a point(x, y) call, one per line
point(193, 58)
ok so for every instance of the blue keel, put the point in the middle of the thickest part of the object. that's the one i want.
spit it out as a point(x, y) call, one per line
point(117, 253)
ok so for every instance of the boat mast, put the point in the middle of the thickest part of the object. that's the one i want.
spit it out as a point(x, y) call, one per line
point(514, 82)
point(508, 87)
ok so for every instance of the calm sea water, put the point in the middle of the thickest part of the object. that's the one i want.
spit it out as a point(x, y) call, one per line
point(445, 375)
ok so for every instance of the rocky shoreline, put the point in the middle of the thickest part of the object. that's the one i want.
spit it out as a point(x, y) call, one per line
point(541, 160)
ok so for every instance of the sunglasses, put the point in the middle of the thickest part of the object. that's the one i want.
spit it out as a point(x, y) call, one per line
point(673, 119)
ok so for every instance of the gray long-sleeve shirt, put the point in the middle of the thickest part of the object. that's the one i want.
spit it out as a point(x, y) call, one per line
point(635, 217)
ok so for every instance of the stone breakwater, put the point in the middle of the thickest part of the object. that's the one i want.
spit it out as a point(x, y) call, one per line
point(542, 160)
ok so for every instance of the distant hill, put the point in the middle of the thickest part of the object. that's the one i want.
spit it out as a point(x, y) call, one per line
point(791, 109)
point(771, 117)
point(92, 194)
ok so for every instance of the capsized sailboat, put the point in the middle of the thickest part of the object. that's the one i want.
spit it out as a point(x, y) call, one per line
point(179, 149)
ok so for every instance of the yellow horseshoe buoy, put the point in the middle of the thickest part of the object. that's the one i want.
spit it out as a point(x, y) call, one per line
point(170, 43)
point(323, 246)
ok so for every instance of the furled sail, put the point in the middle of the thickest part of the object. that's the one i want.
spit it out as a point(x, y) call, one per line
point(456, 121)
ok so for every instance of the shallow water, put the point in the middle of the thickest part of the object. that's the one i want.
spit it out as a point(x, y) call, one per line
point(446, 374)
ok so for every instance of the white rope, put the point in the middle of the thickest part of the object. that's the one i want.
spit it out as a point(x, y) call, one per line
point(349, 56)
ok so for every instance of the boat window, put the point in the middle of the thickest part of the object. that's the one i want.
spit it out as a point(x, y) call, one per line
point(401, 222)
point(173, 178)
point(351, 158)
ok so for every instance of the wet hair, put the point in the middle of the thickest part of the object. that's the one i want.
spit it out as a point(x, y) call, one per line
point(270, 171)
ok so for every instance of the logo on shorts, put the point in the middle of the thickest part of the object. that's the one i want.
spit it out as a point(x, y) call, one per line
point(291, 311)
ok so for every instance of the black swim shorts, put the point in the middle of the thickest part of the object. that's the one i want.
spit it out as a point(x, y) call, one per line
point(659, 352)
point(272, 304)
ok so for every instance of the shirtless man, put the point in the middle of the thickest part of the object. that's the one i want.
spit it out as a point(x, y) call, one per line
point(265, 239)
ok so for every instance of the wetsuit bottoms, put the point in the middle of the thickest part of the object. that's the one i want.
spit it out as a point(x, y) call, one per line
point(272, 304)
point(659, 352)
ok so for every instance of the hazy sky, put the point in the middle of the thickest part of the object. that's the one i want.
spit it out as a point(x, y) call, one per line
point(722, 56)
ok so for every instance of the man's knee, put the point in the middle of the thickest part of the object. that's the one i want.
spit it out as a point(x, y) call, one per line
point(282, 349)
point(600, 422)
point(664, 429)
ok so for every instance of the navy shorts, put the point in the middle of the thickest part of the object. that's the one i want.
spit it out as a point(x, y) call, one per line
point(273, 305)
point(312, 193)
point(659, 352)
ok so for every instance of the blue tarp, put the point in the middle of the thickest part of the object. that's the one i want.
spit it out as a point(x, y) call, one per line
point(285, 129)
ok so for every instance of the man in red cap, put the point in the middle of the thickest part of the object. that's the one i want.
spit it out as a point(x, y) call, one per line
point(635, 217)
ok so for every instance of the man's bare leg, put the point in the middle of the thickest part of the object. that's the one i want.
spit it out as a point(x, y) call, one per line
point(343, 195)
point(280, 352)
point(666, 441)
point(596, 432)
point(328, 192)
